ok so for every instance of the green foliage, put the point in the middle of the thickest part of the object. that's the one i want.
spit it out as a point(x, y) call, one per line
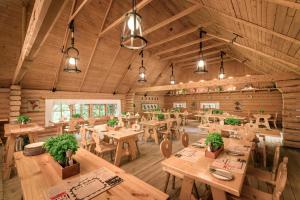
point(215, 141)
point(123, 113)
point(261, 111)
point(160, 116)
point(112, 122)
point(157, 110)
point(59, 145)
point(76, 115)
point(175, 110)
point(216, 111)
point(232, 121)
point(23, 119)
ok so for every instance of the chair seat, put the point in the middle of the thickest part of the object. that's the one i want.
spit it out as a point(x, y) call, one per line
point(254, 194)
point(106, 148)
point(260, 174)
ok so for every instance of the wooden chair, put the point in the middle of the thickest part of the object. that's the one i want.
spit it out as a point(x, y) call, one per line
point(273, 119)
point(167, 131)
point(185, 139)
point(176, 129)
point(166, 151)
point(103, 147)
point(250, 193)
point(262, 152)
point(72, 128)
point(263, 175)
point(92, 121)
point(121, 122)
point(85, 143)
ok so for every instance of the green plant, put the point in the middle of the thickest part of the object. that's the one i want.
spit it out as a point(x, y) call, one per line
point(23, 119)
point(176, 110)
point(76, 115)
point(160, 116)
point(216, 111)
point(232, 121)
point(214, 140)
point(59, 145)
point(112, 122)
point(261, 111)
point(123, 113)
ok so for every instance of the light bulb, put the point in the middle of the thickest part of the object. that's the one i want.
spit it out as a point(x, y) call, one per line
point(172, 82)
point(72, 61)
point(221, 76)
point(200, 63)
point(142, 75)
point(130, 22)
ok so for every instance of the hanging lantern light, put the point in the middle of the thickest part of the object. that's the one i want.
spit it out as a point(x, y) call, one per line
point(72, 53)
point(200, 65)
point(172, 77)
point(142, 70)
point(222, 71)
point(132, 34)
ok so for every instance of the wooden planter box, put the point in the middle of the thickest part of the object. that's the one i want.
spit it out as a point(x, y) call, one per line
point(214, 154)
point(116, 128)
point(65, 172)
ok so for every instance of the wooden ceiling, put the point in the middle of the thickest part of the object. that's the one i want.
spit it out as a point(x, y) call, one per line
point(258, 36)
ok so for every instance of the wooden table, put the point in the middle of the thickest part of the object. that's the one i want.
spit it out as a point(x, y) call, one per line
point(37, 175)
point(153, 125)
point(199, 171)
point(11, 132)
point(264, 117)
point(128, 120)
point(223, 117)
point(122, 136)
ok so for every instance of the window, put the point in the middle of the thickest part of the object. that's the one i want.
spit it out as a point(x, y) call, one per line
point(60, 111)
point(99, 110)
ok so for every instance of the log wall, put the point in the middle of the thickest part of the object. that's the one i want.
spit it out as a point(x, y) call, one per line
point(250, 101)
point(4, 104)
point(291, 112)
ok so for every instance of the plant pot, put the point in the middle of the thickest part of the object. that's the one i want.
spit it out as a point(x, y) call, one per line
point(65, 172)
point(116, 128)
point(213, 155)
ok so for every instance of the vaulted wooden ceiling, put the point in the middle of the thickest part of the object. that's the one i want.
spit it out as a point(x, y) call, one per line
point(258, 36)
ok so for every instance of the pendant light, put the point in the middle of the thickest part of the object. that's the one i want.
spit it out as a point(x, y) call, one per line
point(222, 71)
point(142, 70)
point(132, 34)
point(72, 53)
point(172, 77)
point(201, 65)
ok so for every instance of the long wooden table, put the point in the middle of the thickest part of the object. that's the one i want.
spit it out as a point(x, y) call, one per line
point(122, 136)
point(153, 125)
point(11, 132)
point(199, 171)
point(37, 175)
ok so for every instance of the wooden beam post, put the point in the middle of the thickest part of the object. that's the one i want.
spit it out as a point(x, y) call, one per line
point(197, 56)
point(95, 45)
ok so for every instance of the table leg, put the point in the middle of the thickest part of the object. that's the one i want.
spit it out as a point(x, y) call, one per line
point(186, 188)
point(119, 153)
point(155, 135)
point(11, 141)
point(266, 122)
point(132, 148)
point(218, 194)
point(146, 133)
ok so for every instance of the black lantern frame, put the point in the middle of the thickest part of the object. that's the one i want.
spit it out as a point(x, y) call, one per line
point(142, 69)
point(201, 67)
point(172, 77)
point(222, 70)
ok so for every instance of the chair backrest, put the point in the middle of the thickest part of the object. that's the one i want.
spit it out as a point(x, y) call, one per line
point(185, 139)
point(275, 116)
point(275, 161)
point(281, 179)
point(83, 135)
point(263, 149)
point(92, 121)
point(178, 121)
point(166, 147)
point(72, 124)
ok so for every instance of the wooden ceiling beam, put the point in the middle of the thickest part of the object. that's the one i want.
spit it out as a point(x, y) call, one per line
point(39, 12)
point(210, 83)
point(95, 45)
point(193, 51)
point(197, 41)
point(80, 7)
point(252, 25)
point(197, 57)
point(139, 6)
point(286, 3)
point(295, 68)
point(66, 36)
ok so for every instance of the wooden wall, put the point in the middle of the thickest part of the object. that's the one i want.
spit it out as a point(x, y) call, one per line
point(291, 112)
point(4, 103)
point(250, 101)
point(39, 117)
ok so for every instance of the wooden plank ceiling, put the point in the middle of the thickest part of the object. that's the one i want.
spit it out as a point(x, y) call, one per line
point(268, 42)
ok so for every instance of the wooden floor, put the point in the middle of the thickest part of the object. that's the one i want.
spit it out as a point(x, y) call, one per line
point(147, 167)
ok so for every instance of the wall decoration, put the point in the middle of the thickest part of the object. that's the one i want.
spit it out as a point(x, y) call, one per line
point(149, 106)
point(179, 105)
point(33, 105)
point(237, 106)
point(210, 105)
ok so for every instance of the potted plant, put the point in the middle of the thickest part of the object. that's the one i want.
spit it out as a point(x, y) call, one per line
point(23, 119)
point(123, 113)
point(112, 124)
point(261, 111)
point(160, 117)
point(232, 121)
point(62, 148)
point(215, 145)
point(76, 116)
point(217, 112)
